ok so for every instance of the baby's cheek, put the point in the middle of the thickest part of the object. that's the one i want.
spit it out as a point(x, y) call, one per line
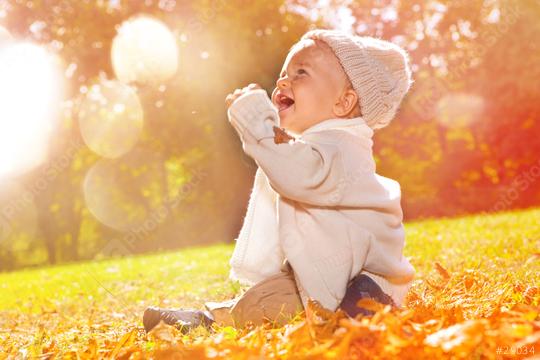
point(273, 96)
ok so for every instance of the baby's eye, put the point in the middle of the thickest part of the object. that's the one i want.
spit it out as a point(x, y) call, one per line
point(301, 72)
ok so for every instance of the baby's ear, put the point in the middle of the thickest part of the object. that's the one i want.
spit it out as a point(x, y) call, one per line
point(346, 103)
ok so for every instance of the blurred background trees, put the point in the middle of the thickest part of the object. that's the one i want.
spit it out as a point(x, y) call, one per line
point(466, 138)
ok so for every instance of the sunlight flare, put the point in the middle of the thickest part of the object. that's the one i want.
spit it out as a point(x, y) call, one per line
point(144, 51)
point(123, 193)
point(30, 94)
point(18, 215)
point(459, 110)
point(111, 118)
point(5, 37)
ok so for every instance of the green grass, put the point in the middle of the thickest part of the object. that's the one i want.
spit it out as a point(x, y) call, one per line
point(110, 295)
point(498, 244)
point(502, 242)
point(184, 278)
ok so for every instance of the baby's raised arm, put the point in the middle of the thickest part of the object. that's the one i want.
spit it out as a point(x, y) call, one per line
point(309, 172)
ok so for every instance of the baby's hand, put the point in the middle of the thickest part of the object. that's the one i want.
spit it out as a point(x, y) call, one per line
point(239, 92)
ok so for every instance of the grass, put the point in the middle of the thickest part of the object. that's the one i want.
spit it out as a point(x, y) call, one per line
point(62, 308)
point(178, 278)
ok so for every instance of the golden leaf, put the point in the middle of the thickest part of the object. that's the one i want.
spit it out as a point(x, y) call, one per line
point(370, 304)
point(511, 330)
point(533, 339)
point(281, 136)
point(162, 333)
point(460, 337)
point(444, 273)
point(125, 341)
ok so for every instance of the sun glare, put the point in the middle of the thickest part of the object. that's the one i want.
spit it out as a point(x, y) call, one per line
point(5, 36)
point(111, 118)
point(29, 99)
point(144, 51)
point(459, 110)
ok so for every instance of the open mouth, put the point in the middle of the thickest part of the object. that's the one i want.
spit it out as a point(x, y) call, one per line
point(284, 102)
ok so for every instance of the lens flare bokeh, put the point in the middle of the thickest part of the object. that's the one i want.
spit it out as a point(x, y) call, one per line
point(5, 37)
point(30, 89)
point(124, 193)
point(18, 215)
point(144, 51)
point(111, 118)
point(459, 110)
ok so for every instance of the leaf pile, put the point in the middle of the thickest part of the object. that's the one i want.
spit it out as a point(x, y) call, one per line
point(461, 315)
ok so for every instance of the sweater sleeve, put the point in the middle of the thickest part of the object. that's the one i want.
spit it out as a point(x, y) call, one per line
point(307, 171)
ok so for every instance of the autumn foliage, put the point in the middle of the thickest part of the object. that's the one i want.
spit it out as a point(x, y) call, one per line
point(451, 315)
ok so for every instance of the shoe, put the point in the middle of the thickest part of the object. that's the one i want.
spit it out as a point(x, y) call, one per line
point(183, 319)
point(362, 286)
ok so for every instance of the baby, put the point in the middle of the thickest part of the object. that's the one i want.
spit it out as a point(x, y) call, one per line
point(321, 224)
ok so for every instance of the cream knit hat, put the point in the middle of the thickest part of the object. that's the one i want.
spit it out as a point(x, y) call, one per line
point(378, 70)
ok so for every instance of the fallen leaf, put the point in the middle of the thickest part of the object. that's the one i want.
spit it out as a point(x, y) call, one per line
point(125, 341)
point(370, 304)
point(461, 337)
point(444, 273)
point(281, 136)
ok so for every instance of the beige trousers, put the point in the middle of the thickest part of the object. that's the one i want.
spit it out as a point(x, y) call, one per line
point(274, 299)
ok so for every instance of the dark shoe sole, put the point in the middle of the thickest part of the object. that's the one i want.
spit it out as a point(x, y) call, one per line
point(151, 318)
point(184, 320)
point(362, 286)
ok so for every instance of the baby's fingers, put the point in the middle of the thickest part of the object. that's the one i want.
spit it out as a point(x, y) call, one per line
point(254, 86)
point(229, 100)
point(233, 96)
point(239, 92)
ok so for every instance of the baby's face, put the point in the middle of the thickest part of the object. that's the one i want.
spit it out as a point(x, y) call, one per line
point(309, 86)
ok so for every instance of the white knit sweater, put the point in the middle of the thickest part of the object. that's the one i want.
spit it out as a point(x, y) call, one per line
point(318, 202)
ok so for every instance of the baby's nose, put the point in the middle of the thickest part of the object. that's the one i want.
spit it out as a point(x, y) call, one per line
point(282, 83)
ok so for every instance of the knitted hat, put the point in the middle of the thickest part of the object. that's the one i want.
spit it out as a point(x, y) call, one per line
point(378, 70)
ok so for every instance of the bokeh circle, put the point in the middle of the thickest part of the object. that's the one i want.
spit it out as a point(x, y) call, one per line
point(127, 193)
point(144, 51)
point(111, 118)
